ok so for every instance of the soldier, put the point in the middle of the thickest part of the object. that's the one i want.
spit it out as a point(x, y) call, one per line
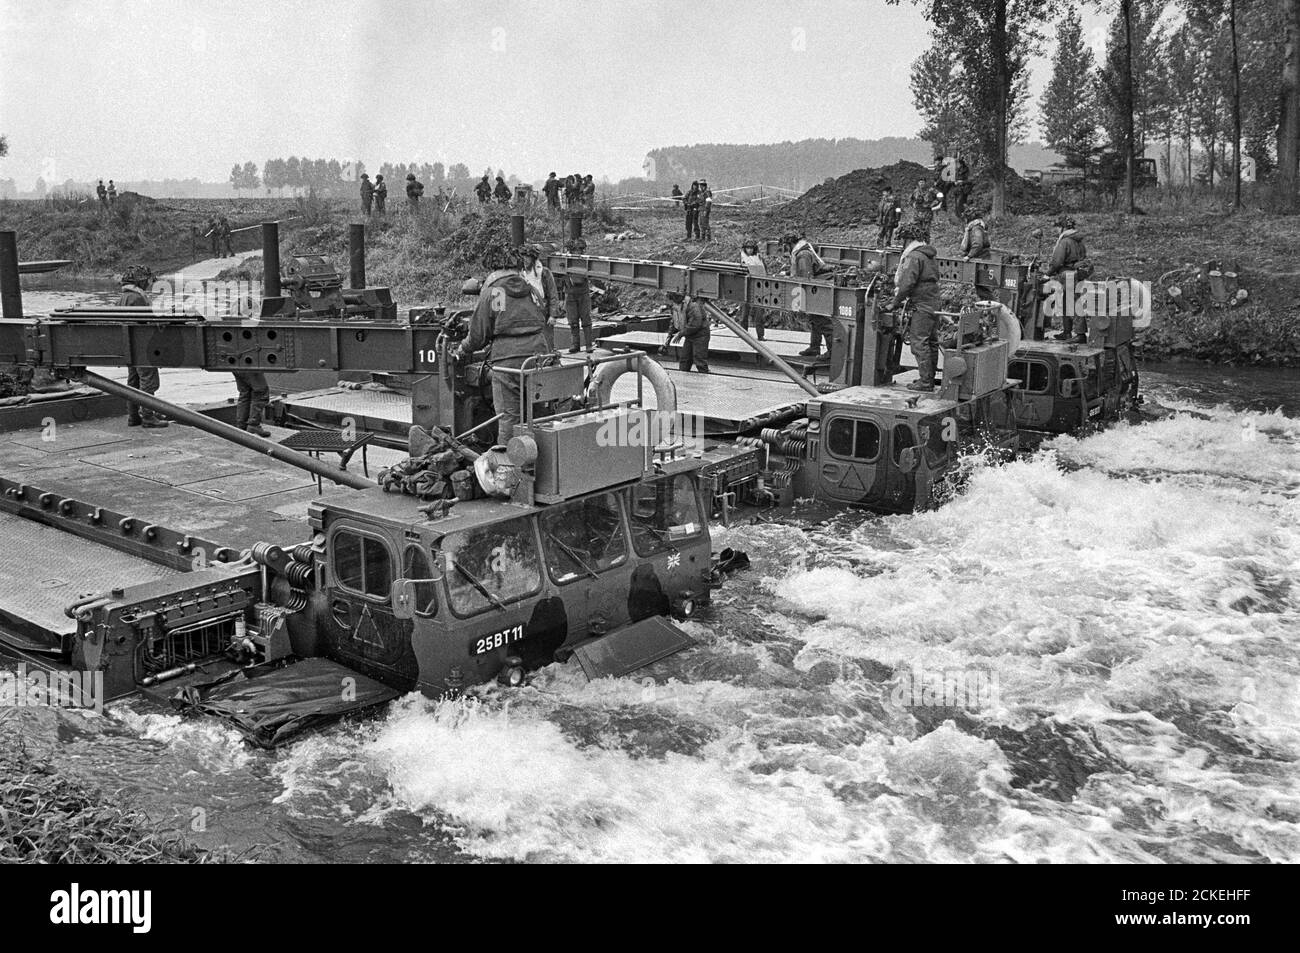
point(676, 194)
point(924, 202)
point(102, 193)
point(381, 194)
point(692, 205)
point(508, 322)
point(570, 190)
point(214, 235)
point(414, 189)
point(961, 188)
point(367, 194)
point(888, 213)
point(706, 209)
point(543, 282)
point(691, 324)
point(112, 192)
point(552, 191)
point(254, 395)
point(917, 281)
point(754, 264)
point(588, 193)
point(806, 263)
point(224, 233)
point(1069, 265)
point(577, 302)
point(975, 245)
point(501, 192)
point(135, 280)
point(483, 189)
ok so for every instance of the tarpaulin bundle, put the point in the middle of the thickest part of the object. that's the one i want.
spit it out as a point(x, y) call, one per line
point(273, 705)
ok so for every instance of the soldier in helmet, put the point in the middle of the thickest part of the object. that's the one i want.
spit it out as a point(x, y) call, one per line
point(917, 282)
point(224, 232)
point(501, 192)
point(509, 324)
point(543, 282)
point(1069, 265)
point(806, 263)
point(577, 302)
point(925, 200)
point(414, 190)
point(381, 194)
point(102, 193)
point(367, 194)
point(483, 190)
point(135, 281)
point(754, 264)
point(691, 324)
point(888, 212)
point(974, 246)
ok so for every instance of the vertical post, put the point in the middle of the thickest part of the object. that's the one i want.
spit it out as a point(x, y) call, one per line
point(270, 260)
point(11, 295)
point(575, 225)
point(357, 255)
point(517, 231)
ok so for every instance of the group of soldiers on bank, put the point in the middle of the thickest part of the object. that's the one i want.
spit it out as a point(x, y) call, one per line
point(577, 191)
point(107, 195)
point(219, 233)
point(697, 203)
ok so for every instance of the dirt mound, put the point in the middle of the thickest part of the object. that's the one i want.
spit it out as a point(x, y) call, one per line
point(1023, 197)
point(850, 201)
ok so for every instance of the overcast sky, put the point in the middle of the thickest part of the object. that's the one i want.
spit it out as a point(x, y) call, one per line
point(135, 89)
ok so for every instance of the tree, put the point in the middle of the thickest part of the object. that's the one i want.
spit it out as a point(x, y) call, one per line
point(236, 177)
point(4, 146)
point(1288, 127)
point(1069, 103)
point(293, 173)
point(991, 41)
point(252, 181)
point(1125, 80)
point(938, 96)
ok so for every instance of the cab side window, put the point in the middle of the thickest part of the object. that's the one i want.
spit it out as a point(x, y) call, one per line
point(937, 447)
point(903, 439)
point(492, 566)
point(664, 512)
point(853, 439)
point(416, 565)
point(1031, 374)
point(583, 538)
point(362, 564)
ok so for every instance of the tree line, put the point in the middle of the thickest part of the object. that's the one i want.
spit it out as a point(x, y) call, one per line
point(1221, 74)
point(334, 177)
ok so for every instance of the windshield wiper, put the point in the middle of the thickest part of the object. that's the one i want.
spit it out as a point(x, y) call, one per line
point(483, 590)
point(582, 564)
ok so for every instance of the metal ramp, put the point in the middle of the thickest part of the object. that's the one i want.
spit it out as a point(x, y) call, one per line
point(43, 570)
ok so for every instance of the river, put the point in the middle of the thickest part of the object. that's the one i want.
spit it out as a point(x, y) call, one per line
point(1126, 605)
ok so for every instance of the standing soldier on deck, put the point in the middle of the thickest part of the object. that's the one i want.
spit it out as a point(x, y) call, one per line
point(134, 282)
point(917, 282)
point(543, 282)
point(367, 194)
point(381, 194)
point(509, 324)
point(806, 263)
point(888, 213)
point(754, 264)
point(254, 395)
point(577, 302)
point(1069, 265)
point(974, 246)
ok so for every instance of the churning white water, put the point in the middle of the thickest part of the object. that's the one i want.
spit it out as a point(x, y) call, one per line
point(1089, 655)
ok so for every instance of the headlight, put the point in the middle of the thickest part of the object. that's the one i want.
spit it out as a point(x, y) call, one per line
point(512, 675)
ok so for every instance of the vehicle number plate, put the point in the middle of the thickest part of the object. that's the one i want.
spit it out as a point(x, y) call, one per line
point(490, 643)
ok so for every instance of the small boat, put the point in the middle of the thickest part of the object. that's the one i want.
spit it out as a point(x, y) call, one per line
point(40, 267)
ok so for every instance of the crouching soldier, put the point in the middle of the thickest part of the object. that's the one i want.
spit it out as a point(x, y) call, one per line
point(510, 325)
point(917, 282)
point(691, 324)
point(135, 280)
